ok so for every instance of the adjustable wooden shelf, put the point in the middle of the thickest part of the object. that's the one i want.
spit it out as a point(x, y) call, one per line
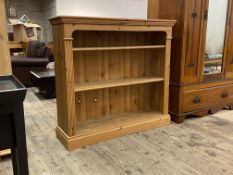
point(112, 77)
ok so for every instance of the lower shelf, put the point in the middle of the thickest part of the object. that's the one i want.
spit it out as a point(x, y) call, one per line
point(115, 83)
point(95, 131)
point(115, 121)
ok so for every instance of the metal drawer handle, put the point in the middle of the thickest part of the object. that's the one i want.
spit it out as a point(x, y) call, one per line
point(197, 100)
point(224, 95)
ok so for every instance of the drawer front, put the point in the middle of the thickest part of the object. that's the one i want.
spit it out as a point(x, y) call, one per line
point(206, 98)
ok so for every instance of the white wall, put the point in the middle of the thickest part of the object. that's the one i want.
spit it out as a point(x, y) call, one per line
point(49, 9)
point(39, 11)
point(216, 26)
point(33, 9)
point(103, 8)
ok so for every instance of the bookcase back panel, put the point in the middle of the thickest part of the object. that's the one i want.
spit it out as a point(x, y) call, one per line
point(122, 64)
point(112, 38)
point(111, 101)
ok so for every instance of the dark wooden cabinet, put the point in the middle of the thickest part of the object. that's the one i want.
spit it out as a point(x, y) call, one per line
point(202, 55)
point(228, 62)
point(12, 125)
point(193, 31)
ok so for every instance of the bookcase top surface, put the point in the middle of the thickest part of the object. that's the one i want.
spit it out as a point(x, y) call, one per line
point(111, 21)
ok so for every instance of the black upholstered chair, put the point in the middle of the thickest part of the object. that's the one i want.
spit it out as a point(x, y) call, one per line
point(36, 58)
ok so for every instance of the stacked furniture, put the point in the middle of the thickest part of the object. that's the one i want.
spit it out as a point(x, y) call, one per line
point(17, 47)
point(112, 77)
point(202, 55)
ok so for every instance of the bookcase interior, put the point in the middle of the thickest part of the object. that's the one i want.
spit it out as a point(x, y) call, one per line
point(103, 65)
point(112, 77)
point(114, 80)
point(117, 38)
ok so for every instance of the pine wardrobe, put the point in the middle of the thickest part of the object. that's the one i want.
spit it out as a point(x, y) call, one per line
point(201, 80)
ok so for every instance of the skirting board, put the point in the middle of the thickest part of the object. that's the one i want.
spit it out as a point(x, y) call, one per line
point(76, 142)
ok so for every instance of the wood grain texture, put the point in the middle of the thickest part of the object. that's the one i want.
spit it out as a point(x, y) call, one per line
point(118, 48)
point(110, 21)
point(5, 61)
point(64, 80)
point(209, 97)
point(198, 146)
point(115, 83)
point(153, 9)
point(188, 55)
point(115, 126)
point(228, 50)
point(112, 66)
point(5, 153)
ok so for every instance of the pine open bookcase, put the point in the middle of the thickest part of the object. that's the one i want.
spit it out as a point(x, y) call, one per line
point(112, 77)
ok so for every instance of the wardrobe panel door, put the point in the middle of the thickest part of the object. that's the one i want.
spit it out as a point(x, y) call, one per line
point(228, 62)
point(195, 27)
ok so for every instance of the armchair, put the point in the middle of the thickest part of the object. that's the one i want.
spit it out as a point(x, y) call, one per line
point(37, 57)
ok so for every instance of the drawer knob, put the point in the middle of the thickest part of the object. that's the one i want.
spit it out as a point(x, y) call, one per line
point(206, 15)
point(224, 95)
point(197, 100)
point(191, 65)
point(194, 15)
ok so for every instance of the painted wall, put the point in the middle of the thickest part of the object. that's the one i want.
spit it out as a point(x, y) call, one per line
point(39, 11)
point(49, 10)
point(33, 9)
point(216, 26)
point(103, 8)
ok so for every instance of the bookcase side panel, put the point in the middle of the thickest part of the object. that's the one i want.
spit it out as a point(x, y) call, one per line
point(64, 80)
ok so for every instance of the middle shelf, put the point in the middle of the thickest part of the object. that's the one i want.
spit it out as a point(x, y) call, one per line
point(87, 86)
point(119, 48)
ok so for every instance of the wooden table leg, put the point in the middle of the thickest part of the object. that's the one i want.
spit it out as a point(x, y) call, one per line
point(15, 164)
point(21, 149)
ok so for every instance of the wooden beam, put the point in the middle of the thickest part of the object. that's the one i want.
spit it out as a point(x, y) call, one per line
point(5, 62)
point(5, 153)
point(153, 9)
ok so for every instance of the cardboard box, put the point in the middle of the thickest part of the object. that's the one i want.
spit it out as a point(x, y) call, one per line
point(25, 32)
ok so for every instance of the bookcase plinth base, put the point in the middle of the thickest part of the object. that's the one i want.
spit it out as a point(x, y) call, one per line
point(82, 140)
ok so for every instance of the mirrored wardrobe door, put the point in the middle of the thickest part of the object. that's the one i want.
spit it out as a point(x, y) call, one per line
point(215, 39)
